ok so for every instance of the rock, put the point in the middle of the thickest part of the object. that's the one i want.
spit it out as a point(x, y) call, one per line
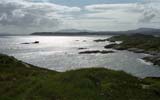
point(110, 46)
point(100, 40)
point(154, 59)
point(119, 47)
point(111, 40)
point(82, 48)
point(25, 43)
point(36, 42)
point(96, 51)
point(153, 52)
point(104, 52)
point(89, 52)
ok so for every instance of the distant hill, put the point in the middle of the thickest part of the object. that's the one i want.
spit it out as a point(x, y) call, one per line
point(145, 31)
point(75, 32)
point(5, 34)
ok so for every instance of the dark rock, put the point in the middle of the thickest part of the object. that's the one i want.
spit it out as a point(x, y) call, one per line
point(119, 47)
point(82, 48)
point(153, 53)
point(110, 46)
point(112, 41)
point(100, 40)
point(104, 52)
point(96, 51)
point(154, 59)
point(36, 42)
point(115, 46)
point(25, 43)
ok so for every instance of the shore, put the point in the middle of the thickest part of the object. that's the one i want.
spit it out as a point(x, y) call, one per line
point(22, 81)
point(138, 43)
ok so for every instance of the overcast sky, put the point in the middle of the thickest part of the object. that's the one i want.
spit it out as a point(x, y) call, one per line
point(27, 16)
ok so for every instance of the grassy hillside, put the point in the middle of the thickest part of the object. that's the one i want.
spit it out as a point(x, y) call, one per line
point(20, 81)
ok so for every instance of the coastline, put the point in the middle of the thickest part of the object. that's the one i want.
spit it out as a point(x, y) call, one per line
point(24, 81)
point(137, 43)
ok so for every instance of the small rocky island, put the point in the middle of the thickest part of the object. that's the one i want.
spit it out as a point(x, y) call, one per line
point(22, 81)
point(81, 48)
point(96, 51)
point(35, 42)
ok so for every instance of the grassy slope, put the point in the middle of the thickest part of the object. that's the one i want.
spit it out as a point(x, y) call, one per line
point(18, 82)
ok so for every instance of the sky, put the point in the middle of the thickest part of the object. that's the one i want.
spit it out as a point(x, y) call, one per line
point(27, 16)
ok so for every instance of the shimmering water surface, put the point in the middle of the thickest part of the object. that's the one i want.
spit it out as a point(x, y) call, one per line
point(61, 53)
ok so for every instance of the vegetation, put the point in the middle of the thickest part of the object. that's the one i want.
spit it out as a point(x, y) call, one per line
point(139, 43)
point(21, 81)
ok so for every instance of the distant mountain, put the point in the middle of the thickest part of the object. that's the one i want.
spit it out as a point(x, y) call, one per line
point(145, 31)
point(9, 34)
point(5, 34)
point(68, 33)
point(75, 32)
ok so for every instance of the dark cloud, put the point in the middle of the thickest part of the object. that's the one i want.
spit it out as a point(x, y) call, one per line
point(24, 15)
point(147, 17)
point(150, 10)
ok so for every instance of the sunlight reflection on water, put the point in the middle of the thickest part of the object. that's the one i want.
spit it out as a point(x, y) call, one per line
point(61, 53)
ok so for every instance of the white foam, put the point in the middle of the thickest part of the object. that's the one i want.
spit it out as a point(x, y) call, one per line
point(144, 62)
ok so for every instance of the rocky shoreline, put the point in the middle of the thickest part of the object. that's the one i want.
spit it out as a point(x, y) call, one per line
point(129, 44)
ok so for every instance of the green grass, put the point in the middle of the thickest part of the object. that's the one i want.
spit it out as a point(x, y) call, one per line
point(20, 82)
point(140, 41)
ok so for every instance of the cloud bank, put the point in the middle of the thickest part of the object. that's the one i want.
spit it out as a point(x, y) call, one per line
point(26, 16)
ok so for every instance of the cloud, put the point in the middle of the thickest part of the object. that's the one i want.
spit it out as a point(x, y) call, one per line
point(121, 8)
point(147, 17)
point(122, 13)
point(150, 10)
point(24, 16)
point(22, 13)
point(144, 12)
point(105, 7)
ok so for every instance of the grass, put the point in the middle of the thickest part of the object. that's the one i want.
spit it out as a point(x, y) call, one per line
point(140, 41)
point(21, 82)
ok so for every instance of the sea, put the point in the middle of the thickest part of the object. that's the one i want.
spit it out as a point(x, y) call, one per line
point(61, 53)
